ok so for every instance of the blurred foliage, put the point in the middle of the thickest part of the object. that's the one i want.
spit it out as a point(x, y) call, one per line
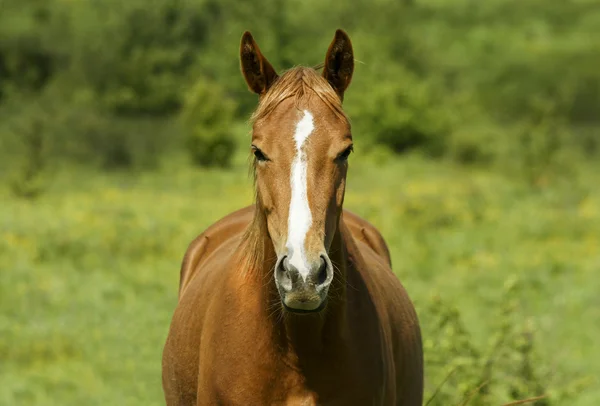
point(460, 79)
point(507, 367)
point(27, 180)
point(402, 117)
point(206, 118)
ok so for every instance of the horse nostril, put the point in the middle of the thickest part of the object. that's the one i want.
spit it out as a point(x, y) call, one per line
point(322, 275)
point(283, 275)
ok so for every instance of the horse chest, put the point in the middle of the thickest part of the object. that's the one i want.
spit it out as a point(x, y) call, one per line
point(276, 383)
point(331, 386)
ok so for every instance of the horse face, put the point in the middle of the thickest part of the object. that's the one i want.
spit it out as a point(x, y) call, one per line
point(301, 142)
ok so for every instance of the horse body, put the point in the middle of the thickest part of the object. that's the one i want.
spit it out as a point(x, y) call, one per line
point(292, 301)
point(349, 356)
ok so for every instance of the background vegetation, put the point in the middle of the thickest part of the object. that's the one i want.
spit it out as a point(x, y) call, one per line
point(123, 135)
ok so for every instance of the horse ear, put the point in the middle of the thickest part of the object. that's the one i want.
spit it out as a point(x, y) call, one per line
point(339, 63)
point(257, 71)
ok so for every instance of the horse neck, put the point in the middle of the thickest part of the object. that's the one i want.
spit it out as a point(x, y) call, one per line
point(299, 334)
point(316, 333)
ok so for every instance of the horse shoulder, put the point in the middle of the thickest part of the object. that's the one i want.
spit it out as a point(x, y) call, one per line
point(214, 236)
point(400, 320)
point(363, 230)
point(193, 324)
point(406, 343)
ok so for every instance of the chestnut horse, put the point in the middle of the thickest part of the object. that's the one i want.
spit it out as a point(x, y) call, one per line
point(292, 301)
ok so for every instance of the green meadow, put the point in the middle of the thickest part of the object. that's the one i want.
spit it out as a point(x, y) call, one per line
point(123, 136)
point(504, 277)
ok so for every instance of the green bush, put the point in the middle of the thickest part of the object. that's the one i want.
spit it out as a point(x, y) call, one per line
point(136, 56)
point(207, 117)
point(29, 51)
point(28, 177)
point(399, 112)
point(75, 129)
point(507, 367)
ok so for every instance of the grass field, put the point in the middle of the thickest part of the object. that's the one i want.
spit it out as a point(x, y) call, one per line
point(89, 275)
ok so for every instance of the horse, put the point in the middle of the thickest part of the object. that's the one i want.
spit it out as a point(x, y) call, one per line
point(292, 300)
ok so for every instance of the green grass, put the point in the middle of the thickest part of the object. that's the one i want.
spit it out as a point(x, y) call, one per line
point(89, 272)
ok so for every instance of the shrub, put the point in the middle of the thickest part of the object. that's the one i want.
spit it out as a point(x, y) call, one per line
point(400, 113)
point(506, 368)
point(207, 117)
point(136, 56)
point(28, 178)
point(29, 56)
point(60, 127)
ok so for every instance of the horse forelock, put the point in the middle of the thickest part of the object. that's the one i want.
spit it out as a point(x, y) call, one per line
point(299, 83)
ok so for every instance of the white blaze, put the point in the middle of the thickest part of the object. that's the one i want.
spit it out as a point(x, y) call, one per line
point(299, 218)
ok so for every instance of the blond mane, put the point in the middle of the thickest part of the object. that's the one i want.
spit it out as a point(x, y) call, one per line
point(300, 83)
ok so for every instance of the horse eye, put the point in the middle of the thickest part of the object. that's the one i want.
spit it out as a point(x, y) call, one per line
point(345, 154)
point(259, 154)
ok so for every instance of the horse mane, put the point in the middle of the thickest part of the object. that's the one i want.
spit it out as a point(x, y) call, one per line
point(299, 83)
